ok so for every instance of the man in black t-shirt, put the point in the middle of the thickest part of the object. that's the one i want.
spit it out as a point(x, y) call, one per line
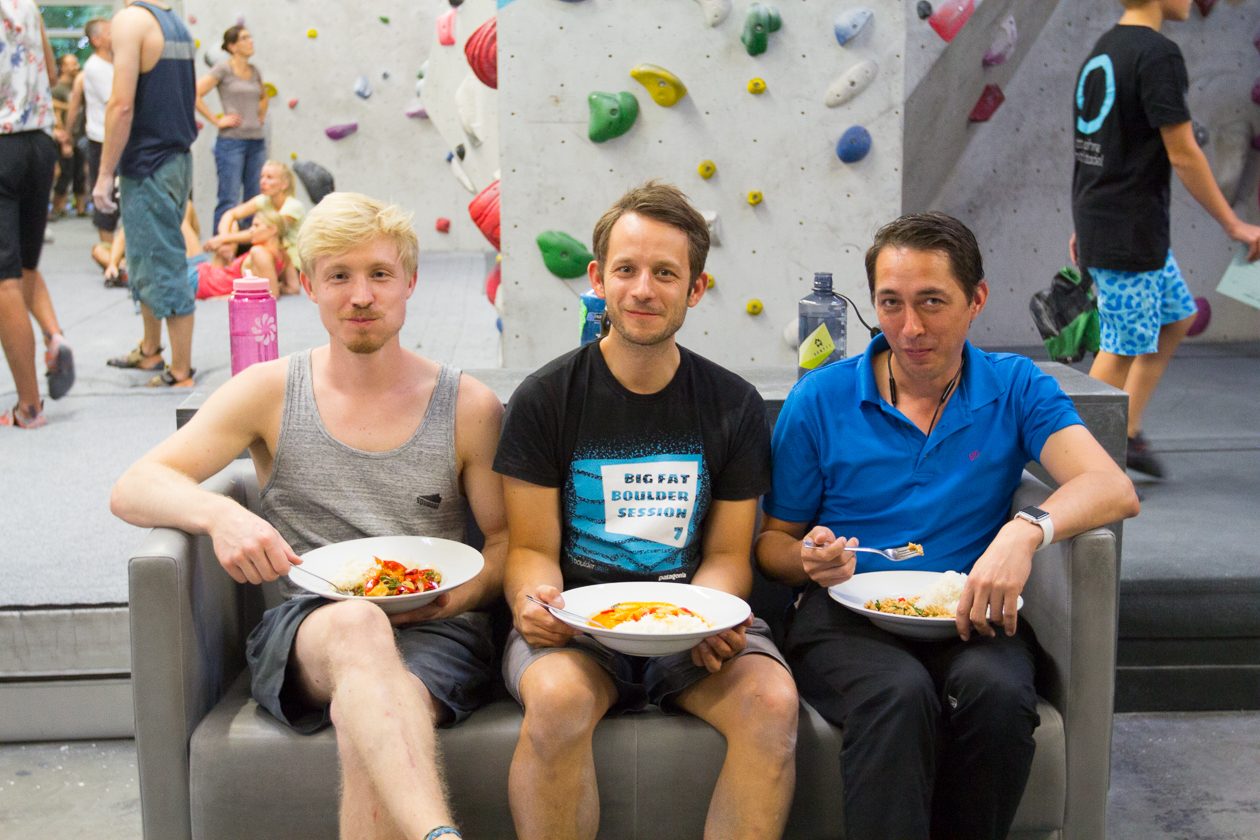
point(632, 458)
point(1132, 129)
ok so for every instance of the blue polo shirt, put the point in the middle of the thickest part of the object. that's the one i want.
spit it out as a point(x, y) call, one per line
point(847, 459)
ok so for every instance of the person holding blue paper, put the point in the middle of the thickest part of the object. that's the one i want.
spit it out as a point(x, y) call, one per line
point(1132, 129)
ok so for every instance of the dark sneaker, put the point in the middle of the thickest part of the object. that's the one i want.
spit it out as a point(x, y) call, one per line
point(1140, 458)
point(60, 363)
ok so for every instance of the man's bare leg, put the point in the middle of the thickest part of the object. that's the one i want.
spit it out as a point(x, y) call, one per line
point(1148, 369)
point(151, 342)
point(346, 656)
point(551, 784)
point(752, 701)
point(362, 815)
point(18, 340)
point(179, 329)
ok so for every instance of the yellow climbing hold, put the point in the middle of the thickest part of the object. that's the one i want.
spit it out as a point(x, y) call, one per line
point(755, 197)
point(711, 282)
point(707, 169)
point(292, 155)
point(664, 87)
point(753, 307)
point(757, 85)
point(312, 33)
point(196, 43)
point(269, 89)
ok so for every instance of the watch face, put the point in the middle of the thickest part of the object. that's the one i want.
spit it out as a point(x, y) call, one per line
point(1034, 513)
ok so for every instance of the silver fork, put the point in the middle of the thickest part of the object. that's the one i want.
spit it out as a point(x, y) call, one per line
point(580, 618)
point(895, 555)
point(341, 589)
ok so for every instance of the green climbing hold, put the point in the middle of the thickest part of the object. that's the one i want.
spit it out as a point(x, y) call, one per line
point(385, 19)
point(761, 21)
point(563, 255)
point(612, 114)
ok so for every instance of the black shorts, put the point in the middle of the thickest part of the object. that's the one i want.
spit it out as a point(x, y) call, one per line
point(453, 657)
point(27, 161)
point(107, 222)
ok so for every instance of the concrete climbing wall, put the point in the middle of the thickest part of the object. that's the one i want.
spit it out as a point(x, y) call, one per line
point(1013, 183)
point(391, 156)
point(818, 213)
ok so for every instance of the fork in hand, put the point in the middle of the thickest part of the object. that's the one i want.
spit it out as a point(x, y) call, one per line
point(895, 555)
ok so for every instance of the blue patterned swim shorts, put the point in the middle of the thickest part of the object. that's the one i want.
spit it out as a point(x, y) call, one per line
point(1133, 305)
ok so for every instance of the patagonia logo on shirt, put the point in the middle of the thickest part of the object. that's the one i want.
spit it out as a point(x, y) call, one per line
point(432, 500)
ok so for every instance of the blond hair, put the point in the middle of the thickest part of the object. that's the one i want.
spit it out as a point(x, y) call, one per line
point(289, 186)
point(271, 216)
point(343, 221)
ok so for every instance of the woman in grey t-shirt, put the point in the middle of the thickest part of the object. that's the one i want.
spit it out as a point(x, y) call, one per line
point(240, 150)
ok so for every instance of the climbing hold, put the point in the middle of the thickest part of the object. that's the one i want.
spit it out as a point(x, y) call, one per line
point(196, 43)
point(1255, 92)
point(384, 75)
point(417, 112)
point(710, 282)
point(951, 16)
point(484, 210)
point(563, 255)
point(481, 49)
point(990, 100)
point(459, 151)
point(1201, 134)
point(474, 104)
point(1255, 142)
point(455, 4)
point(850, 24)
point(493, 279)
point(384, 19)
point(612, 114)
point(446, 28)
point(663, 86)
point(754, 197)
point(337, 132)
point(457, 169)
point(269, 89)
point(757, 86)
point(312, 33)
point(199, 124)
point(317, 180)
point(442, 225)
point(292, 155)
point(754, 306)
point(192, 20)
point(1202, 317)
point(854, 144)
point(1205, 6)
point(424, 69)
point(362, 88)
point(854, 81)
point(1003, 45)
point(715, 11)
point(711, 222)
point(761, 21)
point(924, 10)
point(707, 169)
point(293, 103)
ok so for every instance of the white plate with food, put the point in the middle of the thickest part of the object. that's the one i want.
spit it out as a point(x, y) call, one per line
point(396, 573)
point(920, 605)
point(648, 618)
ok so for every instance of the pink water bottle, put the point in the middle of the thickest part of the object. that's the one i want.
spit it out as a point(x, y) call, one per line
point(252, 322)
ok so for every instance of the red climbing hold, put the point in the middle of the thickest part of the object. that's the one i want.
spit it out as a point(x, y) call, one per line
point(1205, 6)
point(481, 48)
point(951, 16)
point(493, 279)
point(484, 210)
point(1202, 317)
point(1255, 92)
point(990, 100)
point(442, 225)
point(446, 28)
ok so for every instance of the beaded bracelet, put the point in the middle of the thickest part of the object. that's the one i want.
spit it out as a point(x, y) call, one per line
point(441, 830)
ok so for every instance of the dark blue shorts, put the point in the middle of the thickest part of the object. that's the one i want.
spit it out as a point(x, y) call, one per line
point(453, 657)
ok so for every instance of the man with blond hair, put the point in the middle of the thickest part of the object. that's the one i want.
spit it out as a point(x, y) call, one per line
point(330, 471)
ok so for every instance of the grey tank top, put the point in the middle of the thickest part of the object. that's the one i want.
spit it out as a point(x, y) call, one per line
point(322, 491)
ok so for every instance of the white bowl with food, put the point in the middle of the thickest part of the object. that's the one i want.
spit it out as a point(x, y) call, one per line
point(386, 570)
point(648, 618)
point(920, 605)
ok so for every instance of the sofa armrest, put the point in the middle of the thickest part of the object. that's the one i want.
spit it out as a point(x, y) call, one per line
point(1071, 601)
point(189, 621)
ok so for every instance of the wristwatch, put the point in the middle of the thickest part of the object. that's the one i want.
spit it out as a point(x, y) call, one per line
point(1041, 519)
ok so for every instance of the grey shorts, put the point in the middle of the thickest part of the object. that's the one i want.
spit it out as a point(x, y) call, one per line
point(453, 657)
point(152, 211)
point(639, 680)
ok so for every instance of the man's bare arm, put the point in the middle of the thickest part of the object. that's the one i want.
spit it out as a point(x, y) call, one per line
point(127, 32)
point(75, 105)
point(479, 418)
point(533, 561)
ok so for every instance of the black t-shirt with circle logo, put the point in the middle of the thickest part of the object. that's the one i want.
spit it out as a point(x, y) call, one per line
point(636, 472)
point(1133, 83)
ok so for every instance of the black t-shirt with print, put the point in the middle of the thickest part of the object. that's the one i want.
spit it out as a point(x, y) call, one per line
point(636, 472)
point(1133, 83)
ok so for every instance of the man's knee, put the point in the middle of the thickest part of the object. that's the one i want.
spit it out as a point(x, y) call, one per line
point(353, 631)
point(562, 702)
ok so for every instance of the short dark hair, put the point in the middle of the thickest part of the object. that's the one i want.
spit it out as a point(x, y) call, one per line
point(231, 35)
point(663, 203)
point(932, 232)
point(90, 28)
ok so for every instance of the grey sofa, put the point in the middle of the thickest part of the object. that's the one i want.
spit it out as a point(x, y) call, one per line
point(213, 765)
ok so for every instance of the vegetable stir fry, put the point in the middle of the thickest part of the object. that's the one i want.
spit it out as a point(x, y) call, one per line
point(390, 577)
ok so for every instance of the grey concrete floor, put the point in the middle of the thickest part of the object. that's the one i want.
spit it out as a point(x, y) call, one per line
point(1174, 776)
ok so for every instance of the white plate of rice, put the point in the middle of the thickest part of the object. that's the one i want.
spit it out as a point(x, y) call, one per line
point(942, 589)
point(715, 611)
point(345, 564)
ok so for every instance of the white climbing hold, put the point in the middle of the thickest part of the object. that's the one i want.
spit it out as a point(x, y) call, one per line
point(711, 222)
point(850, 84)
point(1003, 44)
point(473, 108)
point(790, 331)
point(851, 23)
point(362, 87)
point(460, 175)
point(715, 11)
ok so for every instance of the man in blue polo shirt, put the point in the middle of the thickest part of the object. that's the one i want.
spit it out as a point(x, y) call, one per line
point(924, 438)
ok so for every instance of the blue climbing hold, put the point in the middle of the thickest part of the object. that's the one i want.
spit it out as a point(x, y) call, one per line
point(854, 144)
point(851, 23)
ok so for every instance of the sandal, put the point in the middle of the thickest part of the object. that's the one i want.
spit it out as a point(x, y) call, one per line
point(59, 361)
point(19, 419)
point(166, 379)
point(137, 358)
